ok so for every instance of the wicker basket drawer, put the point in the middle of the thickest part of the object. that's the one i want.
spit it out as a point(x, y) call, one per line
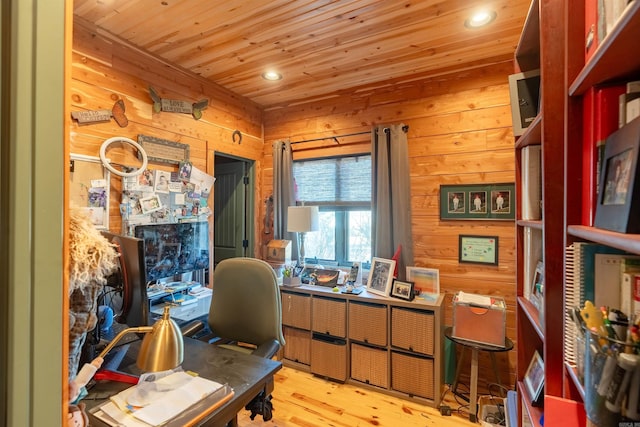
point(329, 316)
point(329, 357)
point(412, 330)
point(369, 365)
point(368, 323)
point(412, 375)
point(298, 345)
point(296, 310)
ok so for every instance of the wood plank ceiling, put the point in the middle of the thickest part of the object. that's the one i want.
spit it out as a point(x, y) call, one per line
point(321, 47)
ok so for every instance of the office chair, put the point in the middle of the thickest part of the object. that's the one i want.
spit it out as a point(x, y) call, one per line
point(246, 315)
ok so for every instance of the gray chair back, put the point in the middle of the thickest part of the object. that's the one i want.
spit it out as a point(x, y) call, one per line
point(246, 303)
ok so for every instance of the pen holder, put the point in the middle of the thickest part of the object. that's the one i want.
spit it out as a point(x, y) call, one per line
point(611, 380)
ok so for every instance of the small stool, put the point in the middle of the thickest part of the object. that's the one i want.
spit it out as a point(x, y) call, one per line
point(475, 349)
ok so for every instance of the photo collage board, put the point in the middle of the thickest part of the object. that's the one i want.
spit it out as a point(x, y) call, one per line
point(159, 196)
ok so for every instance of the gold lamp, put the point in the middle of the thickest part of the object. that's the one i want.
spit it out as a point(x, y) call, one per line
point(162, 347)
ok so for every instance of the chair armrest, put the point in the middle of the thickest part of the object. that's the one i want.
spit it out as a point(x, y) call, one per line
point(190, 329)
point(267, 349)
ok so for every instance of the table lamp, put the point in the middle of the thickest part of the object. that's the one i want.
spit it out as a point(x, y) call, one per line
point(300, 220)
point(162, 349)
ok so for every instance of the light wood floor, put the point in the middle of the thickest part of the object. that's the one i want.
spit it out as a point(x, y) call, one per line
point(301, 399)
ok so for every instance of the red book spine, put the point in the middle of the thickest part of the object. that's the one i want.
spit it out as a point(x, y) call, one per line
point(600, 112)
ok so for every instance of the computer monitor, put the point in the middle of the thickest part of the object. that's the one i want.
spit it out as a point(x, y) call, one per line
point(130, 303)
point(171, 250)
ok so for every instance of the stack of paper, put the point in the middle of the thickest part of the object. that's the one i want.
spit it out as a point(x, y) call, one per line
point(153, 403)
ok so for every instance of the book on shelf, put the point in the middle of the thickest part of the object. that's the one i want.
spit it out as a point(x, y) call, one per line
point(532, 247)
point(511, 412)
point(531, 181)
point(586, 264)
point(572, 299)
point(629, 286)
point(580, 283)
point(629, 103)
point(608, 278)
point(600, 112)
point(610, 12)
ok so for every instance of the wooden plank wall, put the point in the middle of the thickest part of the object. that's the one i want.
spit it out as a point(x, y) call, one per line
point(104, 71)
point(459, 133)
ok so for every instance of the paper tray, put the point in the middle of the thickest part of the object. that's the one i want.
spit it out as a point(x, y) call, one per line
point(189, 417)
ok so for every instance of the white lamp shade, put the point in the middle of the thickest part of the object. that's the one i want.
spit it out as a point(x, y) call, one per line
point(301, 219)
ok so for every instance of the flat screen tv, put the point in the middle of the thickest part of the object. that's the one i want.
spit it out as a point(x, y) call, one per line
point(174, 249)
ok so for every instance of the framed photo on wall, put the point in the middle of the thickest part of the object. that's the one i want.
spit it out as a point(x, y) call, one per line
point(381, 276)
point(478, 201)
point(478, 249)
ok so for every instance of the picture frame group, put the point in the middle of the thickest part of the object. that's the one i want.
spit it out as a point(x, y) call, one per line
point(478, 202)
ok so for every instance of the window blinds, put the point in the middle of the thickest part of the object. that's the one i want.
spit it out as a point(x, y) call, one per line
point(338, 181)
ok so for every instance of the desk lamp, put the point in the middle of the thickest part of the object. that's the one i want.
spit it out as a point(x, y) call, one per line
point(300, 220)
point(162, 349)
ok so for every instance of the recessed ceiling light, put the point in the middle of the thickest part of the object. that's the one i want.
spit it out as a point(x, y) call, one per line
point(480, 19)
point(271, 75)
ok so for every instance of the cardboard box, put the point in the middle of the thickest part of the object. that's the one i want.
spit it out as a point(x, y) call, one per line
point(279, 251)
point(479, 318)
point(491, 411)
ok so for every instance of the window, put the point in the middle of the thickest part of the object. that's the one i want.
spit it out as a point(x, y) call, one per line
point(341, 188)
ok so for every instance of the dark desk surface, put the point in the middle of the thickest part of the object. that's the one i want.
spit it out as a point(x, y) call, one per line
point(508, 344)
point(247, 375)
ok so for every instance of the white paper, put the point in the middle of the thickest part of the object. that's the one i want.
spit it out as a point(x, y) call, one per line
point(157, 402)
point(112, 415)
point(202, 181)
point(474, 299)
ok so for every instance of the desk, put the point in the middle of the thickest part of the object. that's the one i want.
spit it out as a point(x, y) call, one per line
point(475, 349)
point(247, 375)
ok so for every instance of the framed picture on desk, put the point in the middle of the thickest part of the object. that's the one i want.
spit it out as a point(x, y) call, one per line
point(381, 276)
point(534, 379)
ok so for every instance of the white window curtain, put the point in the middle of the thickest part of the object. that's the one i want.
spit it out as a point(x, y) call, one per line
point(283, 191)
point(391, 198)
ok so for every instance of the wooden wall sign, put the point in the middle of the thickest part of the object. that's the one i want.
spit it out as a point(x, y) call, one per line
point(162, 150)
point(101, 116)
point(177, 106)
